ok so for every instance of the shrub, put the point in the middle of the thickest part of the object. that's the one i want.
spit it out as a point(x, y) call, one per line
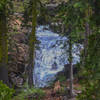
point(61, 78)
point(6, 93)
point(30, 93)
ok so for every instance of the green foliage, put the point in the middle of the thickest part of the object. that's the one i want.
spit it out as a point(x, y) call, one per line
point(41, 11)
point(30, 93)
point(91, 70)
point(74, 15)
point(61, 78)
point(2, 4)
point(5, 92)
point(18, 7)
point(6, 7)
point(91, 91)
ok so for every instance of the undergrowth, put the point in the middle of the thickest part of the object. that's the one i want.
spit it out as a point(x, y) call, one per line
point(30, 94)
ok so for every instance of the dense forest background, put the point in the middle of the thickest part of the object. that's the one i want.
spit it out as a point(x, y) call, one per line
point(78, 20)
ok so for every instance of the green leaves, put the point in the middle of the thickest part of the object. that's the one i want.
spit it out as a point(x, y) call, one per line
point(78, 5)
point(5, 7)
point(5, 92)
point(91, 70)
point(2, 4)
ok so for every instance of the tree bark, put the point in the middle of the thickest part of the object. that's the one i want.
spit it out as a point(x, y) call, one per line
point(32, 44)
point(86, 35)
point(70, 63)
point(3, 49)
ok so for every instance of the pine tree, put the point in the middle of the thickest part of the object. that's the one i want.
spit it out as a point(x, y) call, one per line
point(32, 40)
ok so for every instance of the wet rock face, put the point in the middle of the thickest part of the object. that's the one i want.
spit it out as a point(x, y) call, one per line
point(17, 49)
point(18, 57)
point(17, 81)
point(66, 70)
point(54, 66)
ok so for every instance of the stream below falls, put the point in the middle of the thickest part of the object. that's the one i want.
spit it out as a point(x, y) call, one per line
point(50, 56)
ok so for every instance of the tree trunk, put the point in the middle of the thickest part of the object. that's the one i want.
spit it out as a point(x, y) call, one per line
point(85, 43)
point(70, 63)
point(4, 73)
point(86, 35)
point(32, 44)
point(71, 71)
point(3, 49)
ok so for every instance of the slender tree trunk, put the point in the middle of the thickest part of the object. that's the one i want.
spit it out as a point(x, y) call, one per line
point(86, 35)
point(3, 49)
point(32, 44)
point(70, 63)
point(70, 60)
point(85, 44)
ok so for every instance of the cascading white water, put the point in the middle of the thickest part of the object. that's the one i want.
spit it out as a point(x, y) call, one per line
point(51, 56)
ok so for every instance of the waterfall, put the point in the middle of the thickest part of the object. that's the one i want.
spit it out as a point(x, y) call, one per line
point(51, 56)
